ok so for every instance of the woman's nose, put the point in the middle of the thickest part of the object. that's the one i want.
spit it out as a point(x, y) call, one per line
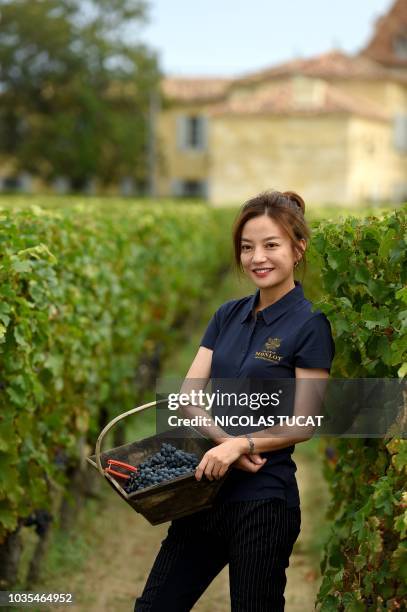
point(259, 254)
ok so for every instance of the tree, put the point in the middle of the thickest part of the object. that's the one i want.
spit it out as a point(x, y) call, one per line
point(74, 89)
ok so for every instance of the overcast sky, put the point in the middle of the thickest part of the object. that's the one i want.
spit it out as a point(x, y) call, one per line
point(229, 37)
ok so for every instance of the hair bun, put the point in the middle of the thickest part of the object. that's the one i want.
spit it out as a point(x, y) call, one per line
point(295, 199)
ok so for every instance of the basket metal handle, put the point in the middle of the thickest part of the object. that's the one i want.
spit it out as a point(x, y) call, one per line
point(113, 422)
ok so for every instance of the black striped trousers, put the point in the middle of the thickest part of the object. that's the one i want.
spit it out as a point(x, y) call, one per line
point(255, 537)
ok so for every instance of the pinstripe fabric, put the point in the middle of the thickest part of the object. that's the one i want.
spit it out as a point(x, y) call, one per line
point(256, 539)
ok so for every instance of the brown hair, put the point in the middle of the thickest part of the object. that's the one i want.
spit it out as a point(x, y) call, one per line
point(285, 208)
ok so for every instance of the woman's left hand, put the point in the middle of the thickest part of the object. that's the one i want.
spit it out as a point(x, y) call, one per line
point(216, 461)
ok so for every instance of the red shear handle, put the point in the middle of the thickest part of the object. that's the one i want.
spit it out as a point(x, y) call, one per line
point(127, 466)
point(120, 474)
point(132, 468)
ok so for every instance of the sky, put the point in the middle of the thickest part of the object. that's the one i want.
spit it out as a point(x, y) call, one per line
point(231, 37)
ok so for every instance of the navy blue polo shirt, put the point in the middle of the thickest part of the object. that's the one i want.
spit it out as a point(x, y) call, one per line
point(283, 336)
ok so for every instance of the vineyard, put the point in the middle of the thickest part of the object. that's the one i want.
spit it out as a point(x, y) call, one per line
point(88, 297)
point(364, 275)
point(94, 296)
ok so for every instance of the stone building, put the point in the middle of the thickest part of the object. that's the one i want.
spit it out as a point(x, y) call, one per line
point(332, 127)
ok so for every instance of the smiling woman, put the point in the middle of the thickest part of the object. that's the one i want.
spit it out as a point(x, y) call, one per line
point(271, 335)
point(270, 238)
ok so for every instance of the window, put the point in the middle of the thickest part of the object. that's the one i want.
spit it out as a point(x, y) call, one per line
point(189, 188)
point(194, 135)
point(16, 183)
point(192, 189)
point(192, 132)
point(11, 183)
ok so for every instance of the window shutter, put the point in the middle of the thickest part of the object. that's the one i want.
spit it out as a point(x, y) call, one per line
point(400, 133)
point(176, 188)
point(204, 125)
point(205, 190)
point(181, 128)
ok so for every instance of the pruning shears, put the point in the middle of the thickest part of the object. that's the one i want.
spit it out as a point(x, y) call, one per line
point(127, 466)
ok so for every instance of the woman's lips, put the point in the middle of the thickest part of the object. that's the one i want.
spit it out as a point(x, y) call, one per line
point(262, 274)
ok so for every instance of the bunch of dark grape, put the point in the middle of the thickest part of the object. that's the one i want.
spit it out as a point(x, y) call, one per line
point(167, 464)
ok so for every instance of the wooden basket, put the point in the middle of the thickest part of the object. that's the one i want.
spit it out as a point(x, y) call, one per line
point(169, 500)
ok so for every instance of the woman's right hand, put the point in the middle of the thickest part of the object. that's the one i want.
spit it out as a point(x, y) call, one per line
point(249, 463)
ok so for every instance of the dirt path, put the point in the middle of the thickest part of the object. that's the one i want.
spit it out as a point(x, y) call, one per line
point(121, 546)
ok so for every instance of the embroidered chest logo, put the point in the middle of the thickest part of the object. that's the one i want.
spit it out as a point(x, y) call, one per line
point(269, 352)
point(272, 343)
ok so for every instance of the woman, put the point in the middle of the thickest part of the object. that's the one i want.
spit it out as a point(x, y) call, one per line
point(272, 334)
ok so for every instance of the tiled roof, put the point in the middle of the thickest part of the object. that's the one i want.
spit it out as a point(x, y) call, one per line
point(285, 101)
point(333, 64)
point(389, 41)
point(189, 89)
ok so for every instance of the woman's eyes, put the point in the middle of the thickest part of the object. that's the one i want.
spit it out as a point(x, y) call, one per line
point(245, 247)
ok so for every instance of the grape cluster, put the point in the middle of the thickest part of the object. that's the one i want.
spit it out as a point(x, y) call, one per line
point(167, 464)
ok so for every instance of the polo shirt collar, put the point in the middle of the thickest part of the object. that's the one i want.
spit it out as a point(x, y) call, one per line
point(271, 312)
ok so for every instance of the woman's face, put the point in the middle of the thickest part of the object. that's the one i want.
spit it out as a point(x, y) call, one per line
point(266, 254)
